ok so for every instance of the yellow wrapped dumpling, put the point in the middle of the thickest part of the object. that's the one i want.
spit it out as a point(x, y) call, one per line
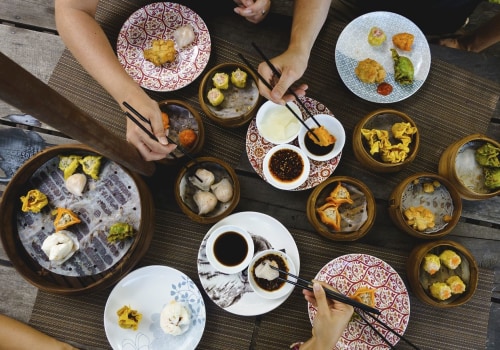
point(456, 284)
point(440, 290)
point(239, 78)
point(450, 259)
point(128, 318)
point(221, 81)
point(431, 264)
point(215, 97)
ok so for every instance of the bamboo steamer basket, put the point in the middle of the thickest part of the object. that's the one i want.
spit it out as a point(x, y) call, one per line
point(169, 106)
point(31, 269)
point(447, 200)
point(184, 190)
point(239, 115)
point(382, 119)
point(468, 188)
point(419, 279)
point(317, 199)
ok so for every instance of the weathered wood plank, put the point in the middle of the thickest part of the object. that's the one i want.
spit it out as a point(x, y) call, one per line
point(17, 296)
point(37, 52)
point(35, 13)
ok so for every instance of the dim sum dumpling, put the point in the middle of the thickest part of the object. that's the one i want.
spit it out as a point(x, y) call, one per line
point(203, 179)
point(60, 246)
point(76, 183)
point(184, 35)
point(206, 202)
point(223, 190)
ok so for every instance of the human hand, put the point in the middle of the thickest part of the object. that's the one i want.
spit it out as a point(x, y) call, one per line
point(292, 66)
point(253, 10)
point(331, 318)
point(148, 148)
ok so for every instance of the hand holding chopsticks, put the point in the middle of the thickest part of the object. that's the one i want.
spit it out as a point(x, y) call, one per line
point(361, 309)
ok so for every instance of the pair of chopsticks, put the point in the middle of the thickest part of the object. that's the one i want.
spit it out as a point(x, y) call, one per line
point(266, 83)
point(360, 308)
point(151, 135)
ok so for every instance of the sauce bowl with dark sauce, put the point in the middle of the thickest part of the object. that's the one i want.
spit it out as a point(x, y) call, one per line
point(322, 153)
point(286, 167)
point(230, 249)
point(274, 288)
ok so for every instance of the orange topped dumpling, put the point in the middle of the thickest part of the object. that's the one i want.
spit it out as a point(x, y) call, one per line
point(325, 138)
point(403, 41)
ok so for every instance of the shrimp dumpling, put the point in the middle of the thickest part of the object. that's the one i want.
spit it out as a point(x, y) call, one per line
point(223, 190)
point(206, 201)
point(76, 183)
point(184, 35)
point(203, 179)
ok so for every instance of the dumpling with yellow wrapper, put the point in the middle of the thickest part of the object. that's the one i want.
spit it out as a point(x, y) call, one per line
point(128, 318)
point(34, 201)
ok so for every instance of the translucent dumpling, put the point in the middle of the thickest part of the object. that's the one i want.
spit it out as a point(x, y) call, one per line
point(223, 190)
point(184, 35)
point(76, 183)
point(203, 179)
point(206, 202)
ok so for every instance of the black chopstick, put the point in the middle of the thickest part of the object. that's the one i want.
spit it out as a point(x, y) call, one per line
point(150, 134)
point(270, 88)
point(330, 293)
point(278, 74)
point(376, 331)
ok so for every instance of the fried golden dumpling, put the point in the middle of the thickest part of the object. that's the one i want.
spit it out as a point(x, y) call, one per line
point(340, 195)
point(403, 41)
point(161, 52)
point(324, 137)
point(370, 71)
point(329, 215)
point(128, 318)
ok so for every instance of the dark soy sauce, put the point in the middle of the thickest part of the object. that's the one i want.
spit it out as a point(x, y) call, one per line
point(316, 149)
point(230, 248)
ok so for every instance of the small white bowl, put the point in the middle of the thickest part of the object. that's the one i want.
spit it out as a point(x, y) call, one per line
point(284, 288)
point(333, 126)
point(278, 182)
point(276, 124)
point(230, 249)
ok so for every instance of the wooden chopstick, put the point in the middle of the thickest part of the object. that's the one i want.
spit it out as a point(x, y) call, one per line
point(151, 135)
point(270, 88)
point(330, 293)
point(278, 74)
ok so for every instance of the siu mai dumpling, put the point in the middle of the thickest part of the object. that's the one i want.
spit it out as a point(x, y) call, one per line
point(206, 202)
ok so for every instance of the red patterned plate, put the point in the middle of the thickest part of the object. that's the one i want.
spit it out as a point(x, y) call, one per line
point(349, 272)
point(257, 148)
point(159, 21)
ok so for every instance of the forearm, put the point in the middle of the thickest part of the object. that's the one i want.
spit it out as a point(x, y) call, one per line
point(18, 336)
point(308, 19)
point(89, 45)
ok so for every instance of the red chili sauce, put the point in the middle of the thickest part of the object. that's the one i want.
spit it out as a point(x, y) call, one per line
point(286, 165)
point(384, 89)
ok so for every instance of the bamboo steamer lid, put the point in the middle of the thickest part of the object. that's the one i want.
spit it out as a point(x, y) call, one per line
point(382, 119)
point(455, 157)
point(444, 202)
point(30, 266)
point(420, 280)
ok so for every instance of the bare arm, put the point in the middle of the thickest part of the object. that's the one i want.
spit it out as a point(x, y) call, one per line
point(308, 19)
point(16, 335)
point(87, 42)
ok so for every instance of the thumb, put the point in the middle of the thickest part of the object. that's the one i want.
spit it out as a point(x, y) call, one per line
point(320, 295)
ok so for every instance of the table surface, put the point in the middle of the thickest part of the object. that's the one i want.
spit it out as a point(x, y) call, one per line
point(28, 36)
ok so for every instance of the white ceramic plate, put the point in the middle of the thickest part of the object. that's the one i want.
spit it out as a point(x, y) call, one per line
point(158, 21)
point(353, 47)
point(257, 148)
point(349, 272)
point(233, 292)
point(148, 290)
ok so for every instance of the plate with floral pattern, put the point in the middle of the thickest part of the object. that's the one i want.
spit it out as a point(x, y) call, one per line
point(148, 290)
point(350, 272)
point(257, 148)
point(159, 21)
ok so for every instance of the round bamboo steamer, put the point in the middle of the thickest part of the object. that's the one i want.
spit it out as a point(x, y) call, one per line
point(371, 121)
point(52, 282)
point(416, 276)
point(447, 166)
point(200, 140)
point(397, 216)
point(326, 188)
point(206, 84)
point(202, 162)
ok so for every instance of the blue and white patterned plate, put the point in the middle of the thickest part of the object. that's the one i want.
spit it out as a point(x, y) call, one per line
point(353, 47)
point(148, 290)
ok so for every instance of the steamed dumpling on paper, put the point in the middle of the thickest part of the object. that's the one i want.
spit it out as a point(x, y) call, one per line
point(403, 69)
point(206, 201)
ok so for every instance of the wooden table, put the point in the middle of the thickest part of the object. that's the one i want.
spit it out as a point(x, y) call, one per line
point(28, 36)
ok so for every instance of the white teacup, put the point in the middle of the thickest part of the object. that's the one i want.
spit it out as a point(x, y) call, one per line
point(230, 249)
